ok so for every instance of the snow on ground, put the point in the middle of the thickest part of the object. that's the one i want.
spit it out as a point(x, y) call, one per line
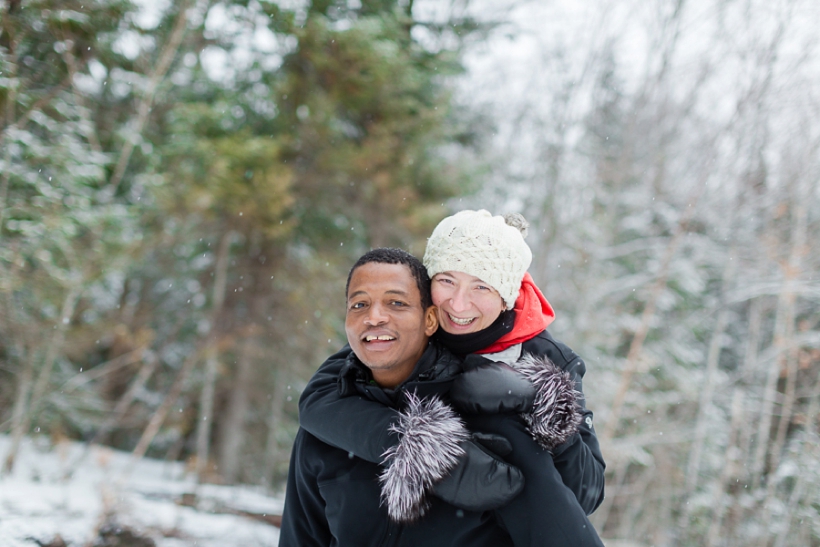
point(38, 501)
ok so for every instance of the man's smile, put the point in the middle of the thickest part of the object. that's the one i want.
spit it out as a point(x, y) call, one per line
point(380, 338)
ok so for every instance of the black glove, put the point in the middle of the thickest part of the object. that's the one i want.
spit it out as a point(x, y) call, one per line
point(480, 480)
point(488, 387)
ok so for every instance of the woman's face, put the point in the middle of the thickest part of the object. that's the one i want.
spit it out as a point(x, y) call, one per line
point(465, 303)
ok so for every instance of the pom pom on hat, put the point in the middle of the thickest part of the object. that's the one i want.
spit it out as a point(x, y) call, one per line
point(491, 248)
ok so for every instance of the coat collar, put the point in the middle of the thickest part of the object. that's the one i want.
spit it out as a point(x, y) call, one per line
point(433, 374)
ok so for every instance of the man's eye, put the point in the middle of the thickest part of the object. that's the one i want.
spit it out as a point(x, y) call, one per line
point(398, 303)
point(357, 305)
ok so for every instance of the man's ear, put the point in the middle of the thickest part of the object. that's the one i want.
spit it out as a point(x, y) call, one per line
point(430, 320)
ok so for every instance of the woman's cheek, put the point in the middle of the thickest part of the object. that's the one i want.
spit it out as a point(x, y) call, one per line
point(438, 295)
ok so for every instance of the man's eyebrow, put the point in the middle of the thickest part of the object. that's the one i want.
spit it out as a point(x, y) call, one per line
point(391, 291)
point(397, 291)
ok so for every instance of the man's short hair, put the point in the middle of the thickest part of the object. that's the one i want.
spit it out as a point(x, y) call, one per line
point(390, 255)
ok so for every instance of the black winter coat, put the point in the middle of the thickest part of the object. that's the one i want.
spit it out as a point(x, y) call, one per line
point(579, 461)
point(546, 513)
point(333, 498)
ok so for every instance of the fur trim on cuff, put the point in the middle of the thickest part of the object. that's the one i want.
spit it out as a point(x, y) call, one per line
point(430, 437)
point(555, 414)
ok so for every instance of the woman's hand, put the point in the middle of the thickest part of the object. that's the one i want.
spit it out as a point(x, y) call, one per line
point(489, 387)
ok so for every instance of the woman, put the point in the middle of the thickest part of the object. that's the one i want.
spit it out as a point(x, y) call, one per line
point(488, 305)
point(489, 311)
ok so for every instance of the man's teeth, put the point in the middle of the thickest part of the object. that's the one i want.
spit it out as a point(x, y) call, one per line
point(459, 321)
point(370, 338)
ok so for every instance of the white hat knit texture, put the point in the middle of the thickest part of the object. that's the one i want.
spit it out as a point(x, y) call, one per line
point(484, 246)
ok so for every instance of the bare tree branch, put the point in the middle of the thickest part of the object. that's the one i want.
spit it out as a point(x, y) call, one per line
point(144, 109)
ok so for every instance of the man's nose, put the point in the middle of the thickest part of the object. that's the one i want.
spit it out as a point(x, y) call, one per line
point(376, 315)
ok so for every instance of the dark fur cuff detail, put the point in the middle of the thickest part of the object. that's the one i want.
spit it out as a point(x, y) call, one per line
point(555, 414)
point(430, 434)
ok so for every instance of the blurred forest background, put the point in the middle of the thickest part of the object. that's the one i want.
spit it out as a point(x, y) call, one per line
point(184, 186)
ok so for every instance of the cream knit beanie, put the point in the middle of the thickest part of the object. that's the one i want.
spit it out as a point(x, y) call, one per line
point(491, 248)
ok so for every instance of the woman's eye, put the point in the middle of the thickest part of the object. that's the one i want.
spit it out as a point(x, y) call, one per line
point(445, 280)
point(483, 288)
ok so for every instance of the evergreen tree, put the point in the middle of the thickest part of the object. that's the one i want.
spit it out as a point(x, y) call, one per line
point(183, 192)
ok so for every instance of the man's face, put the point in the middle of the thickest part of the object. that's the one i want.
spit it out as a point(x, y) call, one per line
point(386, 325)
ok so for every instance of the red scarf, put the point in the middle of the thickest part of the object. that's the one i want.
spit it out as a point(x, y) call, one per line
point(532, 315)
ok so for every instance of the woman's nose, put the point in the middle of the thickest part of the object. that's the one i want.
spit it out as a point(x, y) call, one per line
point(460, 300)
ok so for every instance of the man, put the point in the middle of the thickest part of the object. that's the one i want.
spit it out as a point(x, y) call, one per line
point(335, 498)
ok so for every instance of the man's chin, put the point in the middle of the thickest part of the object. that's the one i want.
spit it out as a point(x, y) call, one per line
point(381, 365)
point(375, 364)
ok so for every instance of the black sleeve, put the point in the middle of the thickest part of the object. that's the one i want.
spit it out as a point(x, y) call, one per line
point(352, 423)
point(547, 511)
point(304, 521)
point(579, 460)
